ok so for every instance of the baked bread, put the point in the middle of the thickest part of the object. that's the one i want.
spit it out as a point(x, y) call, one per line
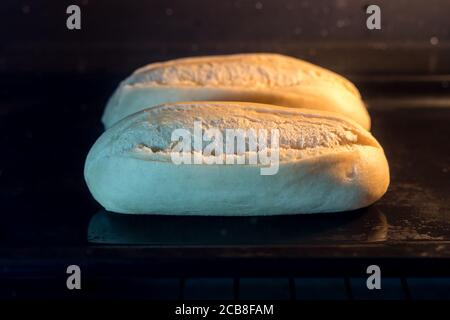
point(327, 163)
point(263, 78)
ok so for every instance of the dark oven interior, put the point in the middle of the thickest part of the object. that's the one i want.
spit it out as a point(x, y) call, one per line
point(54, 86)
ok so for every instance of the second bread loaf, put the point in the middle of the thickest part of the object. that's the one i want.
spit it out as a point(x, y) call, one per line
point(264, 78)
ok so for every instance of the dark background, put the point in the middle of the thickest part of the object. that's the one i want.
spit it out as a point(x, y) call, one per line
point(54, 84)
point(119, 36)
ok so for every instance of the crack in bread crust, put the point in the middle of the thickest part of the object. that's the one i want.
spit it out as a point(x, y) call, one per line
point(300, 134)
point(254, 70)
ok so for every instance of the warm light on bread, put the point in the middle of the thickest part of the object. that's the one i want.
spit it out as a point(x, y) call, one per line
point(262, 78)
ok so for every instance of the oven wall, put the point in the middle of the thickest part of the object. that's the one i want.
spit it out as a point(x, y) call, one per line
point(119, 36)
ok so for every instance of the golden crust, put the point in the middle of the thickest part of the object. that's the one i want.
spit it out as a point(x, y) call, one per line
point(264, 78)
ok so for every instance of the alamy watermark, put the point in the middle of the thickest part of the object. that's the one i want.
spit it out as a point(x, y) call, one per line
point(73, 21)
point(373, 21)
point(74, 279)
point(239, 146)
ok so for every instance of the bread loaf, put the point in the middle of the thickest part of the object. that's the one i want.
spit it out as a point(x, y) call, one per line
point(327, 163)
point(263, 78)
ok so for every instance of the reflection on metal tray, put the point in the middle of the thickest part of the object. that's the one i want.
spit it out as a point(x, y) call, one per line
point(365, 225)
